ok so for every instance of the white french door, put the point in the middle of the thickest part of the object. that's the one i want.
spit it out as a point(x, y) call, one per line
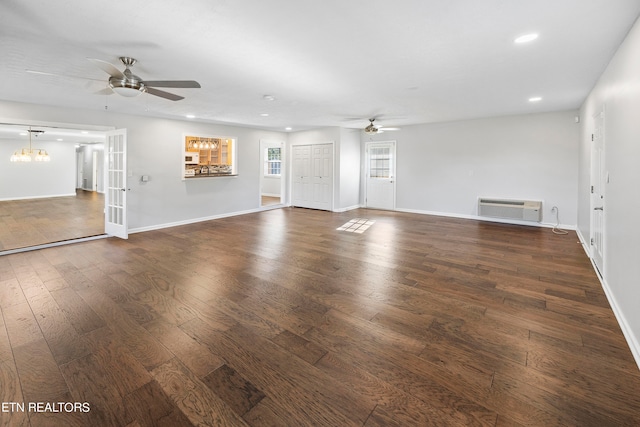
point(115, 195)
point(598, 180)
point(380, 191)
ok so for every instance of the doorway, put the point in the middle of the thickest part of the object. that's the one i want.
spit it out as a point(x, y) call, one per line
point(49, 204)
point(598, 183)
point(272, 173)
point(380, 182)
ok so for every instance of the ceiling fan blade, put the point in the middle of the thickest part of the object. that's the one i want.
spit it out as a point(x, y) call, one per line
point(386, 128)
point(43, 73)
point(107, 67)
point(163, 94)
point(172, 83)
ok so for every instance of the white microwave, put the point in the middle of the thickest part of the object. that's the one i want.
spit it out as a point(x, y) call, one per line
point(191, 158)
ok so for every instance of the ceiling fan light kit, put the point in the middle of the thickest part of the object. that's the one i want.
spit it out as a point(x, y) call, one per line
point(127, 84)
point(371, 129)
point(126, 88)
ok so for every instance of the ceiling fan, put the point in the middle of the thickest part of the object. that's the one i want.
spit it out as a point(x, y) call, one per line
point(372, 129)
point(127, 84)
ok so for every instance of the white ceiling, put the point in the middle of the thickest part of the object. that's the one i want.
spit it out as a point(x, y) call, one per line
point(411, 61)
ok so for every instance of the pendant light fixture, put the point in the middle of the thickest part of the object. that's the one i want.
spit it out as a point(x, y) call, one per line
point(29, 154)
point(203, 143)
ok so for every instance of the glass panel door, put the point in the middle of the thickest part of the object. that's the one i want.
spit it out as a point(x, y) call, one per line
point(116, 184)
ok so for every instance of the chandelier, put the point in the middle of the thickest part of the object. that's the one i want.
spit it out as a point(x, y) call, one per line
point(203, 143)
point(28, 154)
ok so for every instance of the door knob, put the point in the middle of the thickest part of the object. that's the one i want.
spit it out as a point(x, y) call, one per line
point(598, 208)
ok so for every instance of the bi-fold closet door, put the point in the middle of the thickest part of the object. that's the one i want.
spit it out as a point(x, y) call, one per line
point(312, 177)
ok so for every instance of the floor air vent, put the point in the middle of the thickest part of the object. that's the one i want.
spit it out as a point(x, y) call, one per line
point(524, 210)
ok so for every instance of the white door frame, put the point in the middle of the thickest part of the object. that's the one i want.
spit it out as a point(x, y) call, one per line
point(367, 168)
point(598, 190)
point(264, 144)
point(115, 183)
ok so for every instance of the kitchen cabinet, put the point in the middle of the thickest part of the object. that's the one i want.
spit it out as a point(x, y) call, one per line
point(208, 156)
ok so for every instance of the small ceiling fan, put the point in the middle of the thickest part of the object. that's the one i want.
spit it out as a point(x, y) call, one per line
point(127, 84)
point(372, 129)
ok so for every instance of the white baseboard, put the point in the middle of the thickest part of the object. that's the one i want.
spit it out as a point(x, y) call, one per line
point(489, 219)
point(627, 331)
point(53, 244)
point(201, 219)
point(38, 197)
point(349, 208)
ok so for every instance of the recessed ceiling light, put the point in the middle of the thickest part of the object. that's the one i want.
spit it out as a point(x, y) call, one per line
point(535, 99)
point(23, 134)
point(59, 139)
point(190, 116)
point(287, 128)
point(269, 98)
point(526, 38)
point(264, 115)
point(84, 132)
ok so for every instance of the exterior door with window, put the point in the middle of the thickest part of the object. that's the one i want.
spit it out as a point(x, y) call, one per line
point(598, 181)
point(380, 175)
point(115, 195)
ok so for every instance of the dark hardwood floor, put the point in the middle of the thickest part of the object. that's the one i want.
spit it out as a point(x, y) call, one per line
point(278, 319)
point(33, 222)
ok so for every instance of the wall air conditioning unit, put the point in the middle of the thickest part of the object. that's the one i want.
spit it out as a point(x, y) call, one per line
point(524, 210)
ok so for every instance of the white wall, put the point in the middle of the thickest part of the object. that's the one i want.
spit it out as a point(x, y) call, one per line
point(155, 148)
point(271, 186)
point(444, 167)
point(349, 169)
point(37, 179)
point(618, 90)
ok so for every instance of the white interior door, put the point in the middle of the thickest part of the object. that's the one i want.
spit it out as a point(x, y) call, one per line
point(380, 175)
point(598, 181)
point(301, 175)
point(312, 176)
point(115, 195)
point(322, 179)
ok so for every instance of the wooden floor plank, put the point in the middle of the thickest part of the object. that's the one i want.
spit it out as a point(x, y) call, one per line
point(191, 353)
point(62, 338)
point(89, 382)
point(195, 399)
point(39, 374)
point(11, 395)
point(21, 325)
point(144, 347)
